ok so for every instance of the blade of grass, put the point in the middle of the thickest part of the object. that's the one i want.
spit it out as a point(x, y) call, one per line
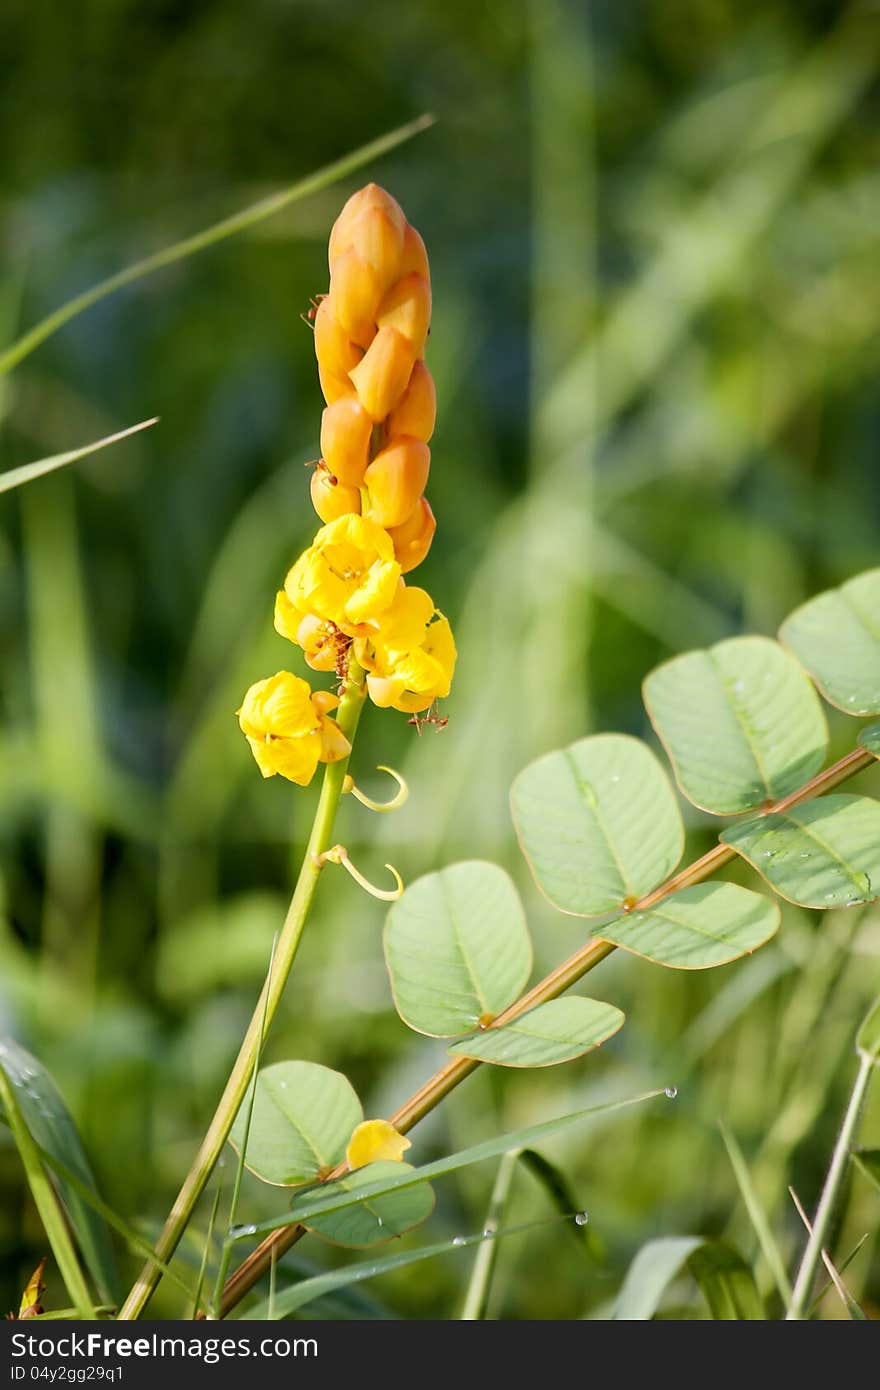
point(15, 477)
point(47, 1204)
point(288, 1301)
point(853, 1311)
point(480, 1283)
point(197, 1301)
point(797, 1308)
point(757, 1215)
point(310, 1207)
point(226, 227)
point(135, 1241)
point(841, 1269)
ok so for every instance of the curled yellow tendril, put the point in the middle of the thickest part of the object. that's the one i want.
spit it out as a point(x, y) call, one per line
point(338, 854)
point(399, 798)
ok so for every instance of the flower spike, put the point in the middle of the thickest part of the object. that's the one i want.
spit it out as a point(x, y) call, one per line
point(398, 800)
point(339, 855)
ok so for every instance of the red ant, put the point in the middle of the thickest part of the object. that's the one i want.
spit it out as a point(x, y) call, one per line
point(311, 313)
point(429, 717)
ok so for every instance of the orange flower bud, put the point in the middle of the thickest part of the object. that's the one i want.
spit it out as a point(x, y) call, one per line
point(412, 539)
point(356, 291)
point(414, 257)
point(378, 240)
point(335, 351)
point(416, 410)
point(407, 307)
point(331, 498)
point(345, 441)
point(335, 387)
point(372, 196)
point(383, 374)
point(396, 479)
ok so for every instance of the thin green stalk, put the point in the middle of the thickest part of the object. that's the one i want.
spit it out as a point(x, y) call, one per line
point(267, 1005)
point(203, 1267)
point(48, 1205)
point(803, 1284)
point(226, 1250)
point(228, 226)
point(480, 1284)
point(757, 1215)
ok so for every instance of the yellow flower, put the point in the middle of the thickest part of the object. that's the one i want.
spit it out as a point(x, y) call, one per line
point(375, 1141)
point(410, 657)
point(348, 577)
point(288, 727)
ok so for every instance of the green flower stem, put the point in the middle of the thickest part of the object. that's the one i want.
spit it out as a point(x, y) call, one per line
point(288, 943)
point(803, 1284)
point(551, 987)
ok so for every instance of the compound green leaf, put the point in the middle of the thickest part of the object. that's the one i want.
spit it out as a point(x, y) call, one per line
point(303, 1117)
point(740, 721)
point(836, 636)
point(699, 927)
point(825, 853)
point(598, 823)
point(870, 738)
point(375, 1218)
point(457, 948)
point(553, 1032)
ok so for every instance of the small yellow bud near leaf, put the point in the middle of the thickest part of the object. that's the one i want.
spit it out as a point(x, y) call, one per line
point(346, 429)
point(288, 728)
point(416, 411)
point(375, 1141)
point(412, 539)
point(331, 498)
point(407, 307)
point(396, 480)
point(383, 374)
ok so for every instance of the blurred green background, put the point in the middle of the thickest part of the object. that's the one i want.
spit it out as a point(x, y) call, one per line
point(653, 231)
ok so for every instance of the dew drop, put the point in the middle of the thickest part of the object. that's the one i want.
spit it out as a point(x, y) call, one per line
point(458, 1240)
point(581, 1218)
point(379, 1221)
point(671, 1092)
point(239, 1231)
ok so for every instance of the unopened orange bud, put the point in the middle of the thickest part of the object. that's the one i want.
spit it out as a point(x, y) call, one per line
point(412, 539)
point(396, 479)
point(345, 441)
point(407, 307)
point(335, 351)
point(378, 240)
point(356, 291)
point(383, 374)
point(414, 257)
point(372, 196)
point(331, 498)
point(335, 387)
point(416, 410)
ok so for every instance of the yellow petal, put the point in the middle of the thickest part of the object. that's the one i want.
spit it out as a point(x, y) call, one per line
point(375, 1141)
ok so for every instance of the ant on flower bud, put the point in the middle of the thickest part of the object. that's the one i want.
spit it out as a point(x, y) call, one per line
point(310, 314)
